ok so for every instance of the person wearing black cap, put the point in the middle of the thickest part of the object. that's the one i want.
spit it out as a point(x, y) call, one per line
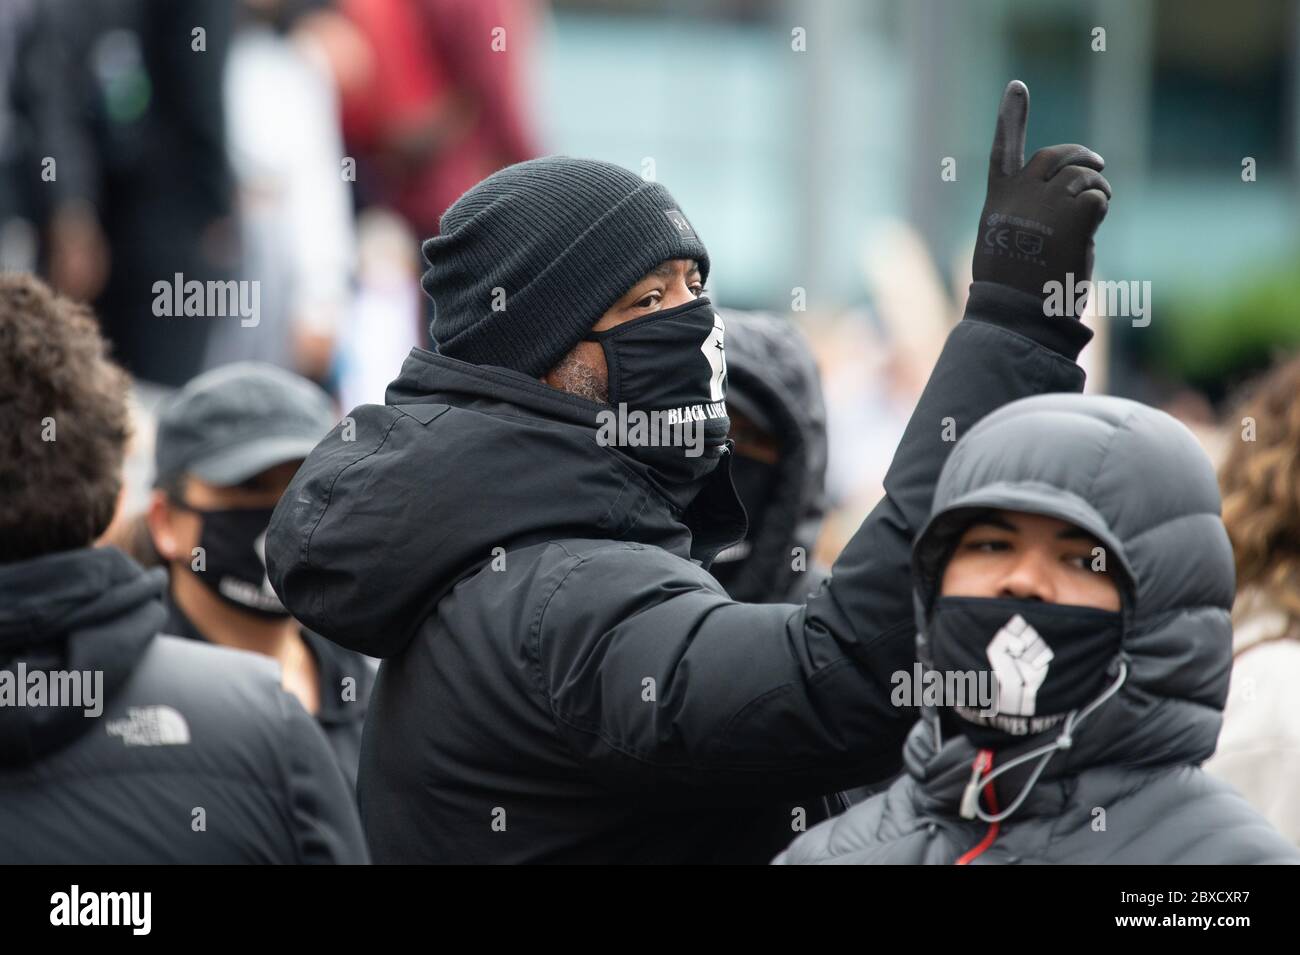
point(523, 532)
point(226, 447)
point(118, 744)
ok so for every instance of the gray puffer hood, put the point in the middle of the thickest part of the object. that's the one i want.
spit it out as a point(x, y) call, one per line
point(1137, 480)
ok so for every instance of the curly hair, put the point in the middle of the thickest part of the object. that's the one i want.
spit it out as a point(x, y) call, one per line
point(64, 422)
point(1260, 480)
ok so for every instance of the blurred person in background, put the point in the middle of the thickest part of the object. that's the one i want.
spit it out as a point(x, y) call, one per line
point(778, 425)
point(1259, 749)
point(157, 750)
point(135, 122)
point(435, 100)
point(778, 464)
point(295, 211)
point(876, 362)
point(869, 392)
point(19, 210)
point(1074, 561)
point(226, 448)
point(378, 331)
point(563, 680)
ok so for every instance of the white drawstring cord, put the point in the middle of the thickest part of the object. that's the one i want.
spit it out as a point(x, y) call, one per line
point(970, 801)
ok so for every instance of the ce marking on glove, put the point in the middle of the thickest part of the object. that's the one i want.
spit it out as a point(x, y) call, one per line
point(996, 237)
point(1000, 240)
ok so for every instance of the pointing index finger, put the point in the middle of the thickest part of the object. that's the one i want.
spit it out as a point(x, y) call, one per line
point(1008, 155)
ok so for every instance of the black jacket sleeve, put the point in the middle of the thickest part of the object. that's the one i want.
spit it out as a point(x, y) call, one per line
point(661, 683)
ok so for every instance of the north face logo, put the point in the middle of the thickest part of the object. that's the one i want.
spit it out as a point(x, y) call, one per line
point(1020, 658)
point(151, 726)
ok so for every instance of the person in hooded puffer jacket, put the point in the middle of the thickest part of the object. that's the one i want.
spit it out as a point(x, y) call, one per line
point(1075, 563)
point(778, 426)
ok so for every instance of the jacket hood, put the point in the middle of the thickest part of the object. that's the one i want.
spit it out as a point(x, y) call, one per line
point(463, 464)
point(773, 380)
point(89, 612)
point(1137, 480)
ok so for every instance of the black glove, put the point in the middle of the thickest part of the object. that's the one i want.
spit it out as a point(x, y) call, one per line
point(1039, 217)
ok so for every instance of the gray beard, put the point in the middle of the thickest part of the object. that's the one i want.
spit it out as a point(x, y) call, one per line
point(578, 378)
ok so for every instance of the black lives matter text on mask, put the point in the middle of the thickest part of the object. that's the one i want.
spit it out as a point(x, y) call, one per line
point(672, 427)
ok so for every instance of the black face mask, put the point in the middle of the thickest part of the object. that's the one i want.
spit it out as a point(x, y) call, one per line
point(668, 387)
point(1039, 660)
point(234, 550)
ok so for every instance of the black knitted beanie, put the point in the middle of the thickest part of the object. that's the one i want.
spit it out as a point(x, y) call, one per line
point(528, 260)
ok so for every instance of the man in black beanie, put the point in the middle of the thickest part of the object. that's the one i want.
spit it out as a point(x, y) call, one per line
point(523, 532)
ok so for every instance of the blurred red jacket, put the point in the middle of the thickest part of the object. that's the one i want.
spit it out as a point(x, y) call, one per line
point(443, 106)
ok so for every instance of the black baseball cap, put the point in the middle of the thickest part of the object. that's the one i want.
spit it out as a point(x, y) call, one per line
point(238, 420)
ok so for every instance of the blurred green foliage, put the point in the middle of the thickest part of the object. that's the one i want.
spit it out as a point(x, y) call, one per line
point(1219, 334)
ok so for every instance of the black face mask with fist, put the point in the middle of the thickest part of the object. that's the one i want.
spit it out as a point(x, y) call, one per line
point(668, 389)
point(1041, 660)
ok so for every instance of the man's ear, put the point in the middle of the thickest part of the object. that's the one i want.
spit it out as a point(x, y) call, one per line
point(159, 517)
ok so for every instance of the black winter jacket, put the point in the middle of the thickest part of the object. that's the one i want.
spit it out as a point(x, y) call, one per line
point(198, 755)
point(585, 690)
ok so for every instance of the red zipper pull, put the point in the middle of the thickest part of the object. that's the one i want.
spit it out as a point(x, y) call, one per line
point(970, 800)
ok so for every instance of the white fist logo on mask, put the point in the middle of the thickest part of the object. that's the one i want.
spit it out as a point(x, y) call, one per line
point(1020, 658)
